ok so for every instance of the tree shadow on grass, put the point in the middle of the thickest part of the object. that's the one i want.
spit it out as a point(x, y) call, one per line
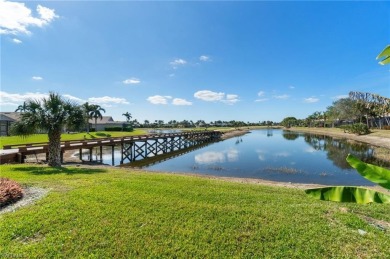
point(58, 170)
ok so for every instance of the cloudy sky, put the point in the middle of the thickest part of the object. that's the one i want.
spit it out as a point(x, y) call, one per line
point(249, 61)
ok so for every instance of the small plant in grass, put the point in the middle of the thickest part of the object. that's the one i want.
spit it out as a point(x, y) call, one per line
point(10, 192)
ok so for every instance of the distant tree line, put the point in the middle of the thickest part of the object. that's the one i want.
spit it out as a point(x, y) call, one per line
point(198, 123)
point(370, 109)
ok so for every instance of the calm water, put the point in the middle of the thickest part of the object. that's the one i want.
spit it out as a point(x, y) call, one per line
point(273, 155)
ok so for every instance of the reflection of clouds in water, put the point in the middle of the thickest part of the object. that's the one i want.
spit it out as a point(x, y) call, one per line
point(282, 154)
point(310, 150)
point(232, 155)
point(261, 154)
point(210, 157)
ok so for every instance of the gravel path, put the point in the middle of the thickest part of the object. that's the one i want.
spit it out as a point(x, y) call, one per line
point(31, 194)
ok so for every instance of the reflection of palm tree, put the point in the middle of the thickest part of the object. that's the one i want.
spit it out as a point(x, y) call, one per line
point(51, 115)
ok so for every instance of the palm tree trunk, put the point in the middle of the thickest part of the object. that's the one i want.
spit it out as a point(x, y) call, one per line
point(55, 148)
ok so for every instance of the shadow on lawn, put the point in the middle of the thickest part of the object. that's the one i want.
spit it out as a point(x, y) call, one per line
point(58, 170)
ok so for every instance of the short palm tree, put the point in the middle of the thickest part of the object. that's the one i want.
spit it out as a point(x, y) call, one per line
point(51, 114)
point(88, 108)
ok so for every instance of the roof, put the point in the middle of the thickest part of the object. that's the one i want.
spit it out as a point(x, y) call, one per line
point(104, 120)
point(9, 116)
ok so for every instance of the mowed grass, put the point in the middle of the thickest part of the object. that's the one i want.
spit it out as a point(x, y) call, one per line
point(107, 213)
point(38, 138)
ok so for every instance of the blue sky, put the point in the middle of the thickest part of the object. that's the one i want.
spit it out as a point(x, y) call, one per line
point(249, 61)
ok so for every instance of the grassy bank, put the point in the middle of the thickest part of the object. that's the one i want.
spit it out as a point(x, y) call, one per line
point(107, 213)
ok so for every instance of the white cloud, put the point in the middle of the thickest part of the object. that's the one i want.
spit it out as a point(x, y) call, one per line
point(16, 18)
point(261, 100)
point(281, 97)
point(107, 100)
point(73, 98)
point(230, 99)
point(178, 62)
point(209, 96)
point(261, 93)
point(17, 99)
point(311, 100)
point(37, 78)
point(179, 101)
point(132, 80)
point(291, 87)
point(171, 75)
point(204, 58)
point(17, 41)
point(158, 99)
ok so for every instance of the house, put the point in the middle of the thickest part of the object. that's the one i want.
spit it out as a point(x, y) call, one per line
point(6, 119)
point(105, 122)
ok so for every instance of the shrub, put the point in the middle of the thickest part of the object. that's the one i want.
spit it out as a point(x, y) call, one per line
point(10, 191)
point(128, 129)
point(360, 129)
point(386, 127)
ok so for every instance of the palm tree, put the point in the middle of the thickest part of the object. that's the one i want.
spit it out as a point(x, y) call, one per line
point(51, 114)
point(21, 108)
point(128, 116)
point(88, 108)
point(96, 113)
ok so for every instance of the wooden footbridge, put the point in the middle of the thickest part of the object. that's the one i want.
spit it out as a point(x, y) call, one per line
point(132, 148)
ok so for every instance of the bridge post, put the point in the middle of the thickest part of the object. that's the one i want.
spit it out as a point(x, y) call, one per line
point(112, 152)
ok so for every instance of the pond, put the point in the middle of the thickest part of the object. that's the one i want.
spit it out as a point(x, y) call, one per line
point(271, 154)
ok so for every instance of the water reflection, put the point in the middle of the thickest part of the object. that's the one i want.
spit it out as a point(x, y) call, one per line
point(271, 155)
point(290, 135)
point(211, 157)
point(338, 149)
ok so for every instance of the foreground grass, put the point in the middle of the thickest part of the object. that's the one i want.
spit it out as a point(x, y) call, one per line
point(37, 138)
point(102, 213)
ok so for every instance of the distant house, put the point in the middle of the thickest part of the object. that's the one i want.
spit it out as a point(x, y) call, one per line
point(6, 120)
point(105, 122)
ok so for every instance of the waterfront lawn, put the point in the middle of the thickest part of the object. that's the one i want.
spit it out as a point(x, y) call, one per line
point(105, 213)
point(37, 138)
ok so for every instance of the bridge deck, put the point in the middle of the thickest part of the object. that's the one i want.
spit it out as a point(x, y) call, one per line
point(17, 152)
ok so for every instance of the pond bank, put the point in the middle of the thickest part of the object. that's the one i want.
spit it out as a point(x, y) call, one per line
point(379, 139)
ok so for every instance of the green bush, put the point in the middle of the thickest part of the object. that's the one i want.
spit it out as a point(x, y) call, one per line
point(357, 128)
point(127, 129)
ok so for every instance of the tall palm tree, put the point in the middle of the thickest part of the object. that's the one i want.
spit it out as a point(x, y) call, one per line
point(21, 108)
point(51, 114)
point(96, 113)
point(88, 108)
point(128, 116)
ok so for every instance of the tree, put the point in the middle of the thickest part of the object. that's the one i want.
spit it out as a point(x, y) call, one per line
point(96, 113)
point(289, 122)
point(51, 114)
point(128, 116)
point(21, 108)
point(88, 108)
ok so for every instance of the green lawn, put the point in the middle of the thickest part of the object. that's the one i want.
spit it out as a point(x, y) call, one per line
point(36, 138)
point(106, 213)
